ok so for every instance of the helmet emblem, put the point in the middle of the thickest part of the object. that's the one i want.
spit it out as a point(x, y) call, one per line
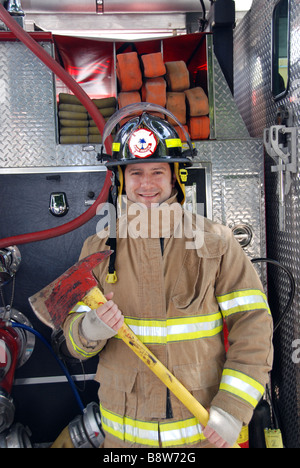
point(142, 143)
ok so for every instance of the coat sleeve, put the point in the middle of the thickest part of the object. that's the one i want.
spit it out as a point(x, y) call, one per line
point(245, 309)
point(77, 345)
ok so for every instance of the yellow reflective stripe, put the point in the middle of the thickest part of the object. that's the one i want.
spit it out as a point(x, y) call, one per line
point(80, 307)
point(176, 329)
point(116, 146)
point(173, 142)
point(242, 385)
point(128, 429)
point(192, 328)
point(188, 431)
point(243, 301)
point(79, 350)
point(131, 430)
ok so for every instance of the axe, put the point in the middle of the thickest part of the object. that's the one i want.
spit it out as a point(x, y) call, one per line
point(53, 304)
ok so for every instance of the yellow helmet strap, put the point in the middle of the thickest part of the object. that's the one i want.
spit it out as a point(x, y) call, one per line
point(181, 178)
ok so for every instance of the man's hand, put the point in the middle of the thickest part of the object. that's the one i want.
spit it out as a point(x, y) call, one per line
point(102, 323)
point(222, 428)
point(215, 439)
point(110, 313)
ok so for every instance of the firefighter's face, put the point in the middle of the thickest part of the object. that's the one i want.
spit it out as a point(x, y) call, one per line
point(148, 183)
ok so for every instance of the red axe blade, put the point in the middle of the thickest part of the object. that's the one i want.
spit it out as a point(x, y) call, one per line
point(54, 302)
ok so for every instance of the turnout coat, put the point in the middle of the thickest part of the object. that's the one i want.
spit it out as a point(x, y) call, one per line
point(180, 279)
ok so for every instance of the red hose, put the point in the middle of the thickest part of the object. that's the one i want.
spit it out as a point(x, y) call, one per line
point(58, 70)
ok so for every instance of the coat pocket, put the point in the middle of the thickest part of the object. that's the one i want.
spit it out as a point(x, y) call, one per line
point(116, 391)
point(185, 290)
point(194, 286)
point(202, 380)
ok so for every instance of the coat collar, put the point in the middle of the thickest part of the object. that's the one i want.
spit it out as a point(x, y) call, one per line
point(155, 222)
point(170, 220)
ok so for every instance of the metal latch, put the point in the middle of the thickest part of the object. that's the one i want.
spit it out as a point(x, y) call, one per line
point(280, 143)
point(243, 234)
point(10, 259)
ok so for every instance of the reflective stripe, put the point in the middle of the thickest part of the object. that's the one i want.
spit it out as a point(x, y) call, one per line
point(80, 307)
point(184, 432)
point(175, 329)
point(173, 143)
point(243, 301)
point(242, 386)
point(79, 350)
point(116, 146)
point(128, 429)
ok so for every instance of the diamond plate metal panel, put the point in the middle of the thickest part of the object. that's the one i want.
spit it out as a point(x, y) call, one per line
point(252, 81)
point(258, 109)
point(26, 107)
point(28, 113)
point(237, 186)
point(228, 121)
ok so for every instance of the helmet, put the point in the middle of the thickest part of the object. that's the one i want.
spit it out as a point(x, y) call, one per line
point(144, 139)
point(148, 138)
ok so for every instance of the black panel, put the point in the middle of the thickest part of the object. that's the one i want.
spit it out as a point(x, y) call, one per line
point(46, 408)
point(197, 177)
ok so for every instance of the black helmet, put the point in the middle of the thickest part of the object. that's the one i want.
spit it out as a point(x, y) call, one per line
point(163, 142)
point(148, 138)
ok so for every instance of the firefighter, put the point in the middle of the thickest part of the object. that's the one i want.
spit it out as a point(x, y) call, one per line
point(174, 278)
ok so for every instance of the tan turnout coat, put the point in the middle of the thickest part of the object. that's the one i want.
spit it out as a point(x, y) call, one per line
point(184, 292)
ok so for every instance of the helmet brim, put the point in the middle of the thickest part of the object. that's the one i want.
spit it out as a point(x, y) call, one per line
point(124, 162)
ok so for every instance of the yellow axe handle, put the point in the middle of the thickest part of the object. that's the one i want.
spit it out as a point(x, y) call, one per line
point(93, 299)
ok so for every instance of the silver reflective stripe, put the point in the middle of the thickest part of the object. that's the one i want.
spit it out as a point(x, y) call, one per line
point(243, 301)
point(128, 429)
point(178, 433)
point(188, 431)
point(194, 328)
point(176, 329)
point(242, 385)
point(140, 435)
point(80, 307)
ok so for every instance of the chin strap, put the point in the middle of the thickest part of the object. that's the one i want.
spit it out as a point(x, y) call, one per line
point(111, 277)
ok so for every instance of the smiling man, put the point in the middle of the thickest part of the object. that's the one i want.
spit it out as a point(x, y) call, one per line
point(149, 183)
point(175, 299)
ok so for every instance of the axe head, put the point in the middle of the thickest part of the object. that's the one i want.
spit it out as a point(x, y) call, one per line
point(54, 302)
